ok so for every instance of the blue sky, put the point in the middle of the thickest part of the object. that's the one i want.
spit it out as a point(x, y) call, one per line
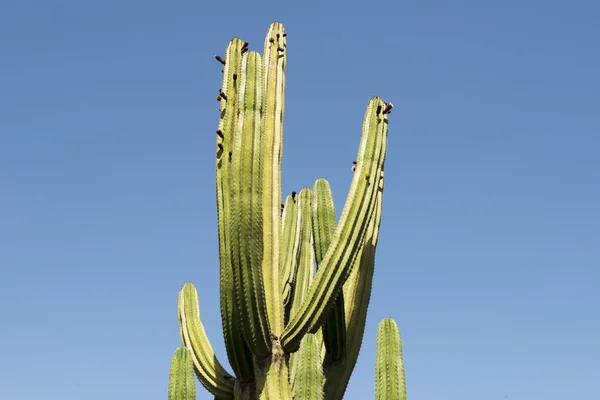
point(489, 253)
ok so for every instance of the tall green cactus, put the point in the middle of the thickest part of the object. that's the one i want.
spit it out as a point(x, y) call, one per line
point(295, 285)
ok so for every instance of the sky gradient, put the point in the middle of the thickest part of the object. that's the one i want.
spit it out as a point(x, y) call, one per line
point(489, 251)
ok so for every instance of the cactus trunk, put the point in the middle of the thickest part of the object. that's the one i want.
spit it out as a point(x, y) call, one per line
point(294, 284)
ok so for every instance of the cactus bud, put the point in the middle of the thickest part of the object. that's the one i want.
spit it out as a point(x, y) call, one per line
point(219, 59)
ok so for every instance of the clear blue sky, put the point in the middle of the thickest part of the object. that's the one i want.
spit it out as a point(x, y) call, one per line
point(489, 254)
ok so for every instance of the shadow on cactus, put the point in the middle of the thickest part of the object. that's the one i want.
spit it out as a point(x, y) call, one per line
point(294, 284)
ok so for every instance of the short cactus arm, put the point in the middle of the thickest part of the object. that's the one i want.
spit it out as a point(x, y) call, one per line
point(323, 216)
point(210, 372)
point(351, 230)
point(389, 368)
point(290, 246)
point(238, 353)
point(182, 385)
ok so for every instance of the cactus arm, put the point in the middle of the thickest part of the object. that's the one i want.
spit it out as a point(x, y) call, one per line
point(182, 385)
point(351, 229)
point(306, 264)
point(237, 351)
point(246, 218)
point(290, 246)
point(210, 372)
point(389, 368)
point(357, 292)
point(306, 258)
point(274, 79)
point(323, 215)
point(308, 382)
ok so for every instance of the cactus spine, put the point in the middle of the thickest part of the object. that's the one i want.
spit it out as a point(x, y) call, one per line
point(294, 284)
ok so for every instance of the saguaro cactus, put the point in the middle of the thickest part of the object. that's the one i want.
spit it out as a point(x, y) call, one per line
point(294, 284)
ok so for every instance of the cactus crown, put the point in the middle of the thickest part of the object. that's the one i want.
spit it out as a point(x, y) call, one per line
point(294, 283)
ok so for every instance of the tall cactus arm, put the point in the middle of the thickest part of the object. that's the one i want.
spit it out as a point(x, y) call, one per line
point(290, 246)
point(245, 185)
point(182, 385)
point(308, 379)
point(274, 79)
point(357, 293)
point(210, 372)
point(389, 369)
point(238, 353)
point(323, 216)
point(351, 230)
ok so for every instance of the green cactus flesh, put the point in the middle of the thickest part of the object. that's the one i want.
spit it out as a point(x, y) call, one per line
point(389, 371)
point(294, 283)
point(181, 376)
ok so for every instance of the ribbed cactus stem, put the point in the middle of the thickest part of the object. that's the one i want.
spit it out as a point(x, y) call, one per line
point(182, 385)
point(389, 371)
